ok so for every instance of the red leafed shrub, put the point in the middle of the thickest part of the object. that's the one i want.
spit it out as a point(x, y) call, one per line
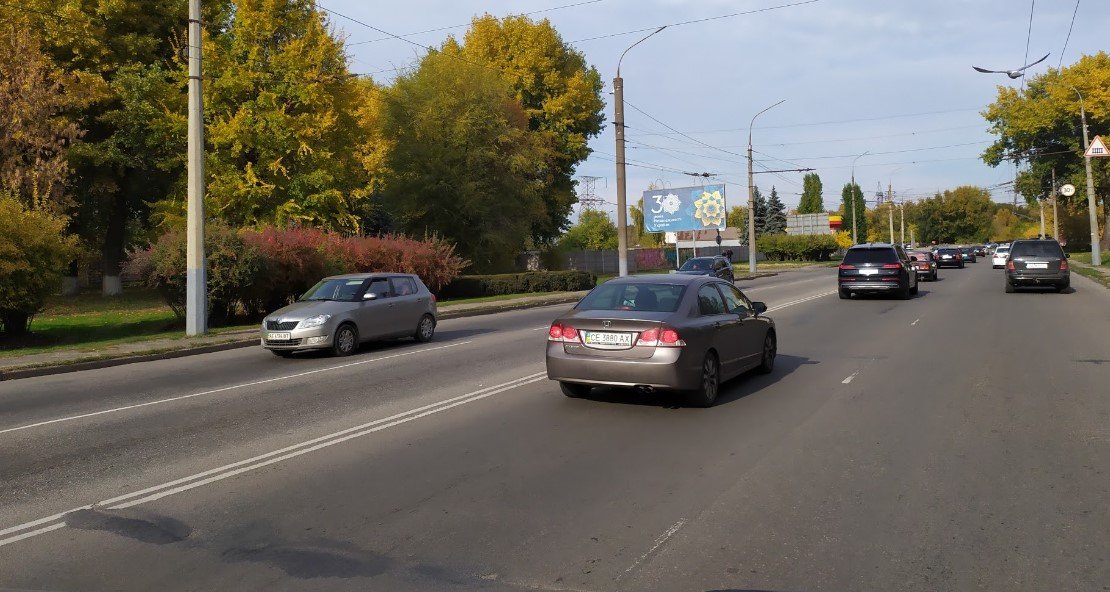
point(282, 264)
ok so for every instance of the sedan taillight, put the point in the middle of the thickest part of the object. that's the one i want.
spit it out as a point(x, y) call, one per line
point(563, 333)
point(664, 337)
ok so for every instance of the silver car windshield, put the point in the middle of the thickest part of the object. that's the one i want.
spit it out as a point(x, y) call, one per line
point(346, 290)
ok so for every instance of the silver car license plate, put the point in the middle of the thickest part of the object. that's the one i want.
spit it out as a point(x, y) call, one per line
point(278, 336)
point(600, 338)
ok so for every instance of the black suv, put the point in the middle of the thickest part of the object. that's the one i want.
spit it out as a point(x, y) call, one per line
point(1037, 262)
point(716, 266)
point(877, 268)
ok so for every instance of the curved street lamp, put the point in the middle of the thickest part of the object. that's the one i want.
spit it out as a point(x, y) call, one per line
point(855, 231)
point(751, 191)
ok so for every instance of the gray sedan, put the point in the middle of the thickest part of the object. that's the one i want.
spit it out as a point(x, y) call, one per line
point(342, 311)
point(672, 332)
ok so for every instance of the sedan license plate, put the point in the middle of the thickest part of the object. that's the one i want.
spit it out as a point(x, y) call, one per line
point(616, 339)
point(1036, 265)
point(278, 336)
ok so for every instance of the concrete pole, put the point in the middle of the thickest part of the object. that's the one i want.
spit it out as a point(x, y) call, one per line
point(622, 209)
point(855, 232)
point(751, 191)
point(1055, 211)
point(902, 217)
point(1096, 255)
point(196, 282)
point(890, 202)
point(1041, 202)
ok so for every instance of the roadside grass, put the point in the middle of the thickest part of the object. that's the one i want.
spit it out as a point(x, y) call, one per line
point(1099, 276)
point(90, 321)
point(1085, 257)
point(498, 298)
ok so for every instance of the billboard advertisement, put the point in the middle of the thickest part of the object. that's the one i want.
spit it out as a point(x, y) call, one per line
point(685, 208)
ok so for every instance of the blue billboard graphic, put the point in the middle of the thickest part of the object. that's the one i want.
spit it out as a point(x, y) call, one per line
point(685, 208)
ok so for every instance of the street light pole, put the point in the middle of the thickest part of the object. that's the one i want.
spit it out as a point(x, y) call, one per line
point(855, 232)
point(618, 123)
point(751, 191)
point(902, 214)
point(196, 298)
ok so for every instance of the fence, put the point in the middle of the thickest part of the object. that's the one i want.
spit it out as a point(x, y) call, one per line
point(605, 262)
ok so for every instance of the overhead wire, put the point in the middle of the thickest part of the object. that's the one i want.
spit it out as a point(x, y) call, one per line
point(694, 21)
point(1068, 38)
point(1028, 38)
point(837, 122)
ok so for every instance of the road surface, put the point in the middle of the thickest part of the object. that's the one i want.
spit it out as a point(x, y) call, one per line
point(955, 441)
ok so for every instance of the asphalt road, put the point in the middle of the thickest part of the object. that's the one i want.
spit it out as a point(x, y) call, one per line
point(955, 441)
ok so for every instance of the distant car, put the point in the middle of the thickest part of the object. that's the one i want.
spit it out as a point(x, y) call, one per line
point(671, 332)
point(1037, 262)
point(950, 257)
point(926, 265)
point(340, 312)
point(718, 266)
point(998, 258)
point(980, 250)
point(969, 254)
point(876, 268)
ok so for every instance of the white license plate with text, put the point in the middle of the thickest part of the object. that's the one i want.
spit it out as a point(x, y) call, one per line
point(278, 336)
point(1037, 265)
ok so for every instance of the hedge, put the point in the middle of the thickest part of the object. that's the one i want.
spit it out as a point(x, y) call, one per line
point(251, 273)
point(34, 252)
point(804, 247)
point(476, 286)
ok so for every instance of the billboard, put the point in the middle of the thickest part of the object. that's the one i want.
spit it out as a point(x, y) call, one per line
point(685, 208)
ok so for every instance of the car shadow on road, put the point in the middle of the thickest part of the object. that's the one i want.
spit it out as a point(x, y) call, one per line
point(397, 345)
point(731, 391)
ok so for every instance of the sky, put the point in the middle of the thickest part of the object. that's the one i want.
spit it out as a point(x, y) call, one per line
point(893, 77)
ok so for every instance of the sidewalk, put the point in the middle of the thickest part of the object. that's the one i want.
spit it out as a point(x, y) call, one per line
point(72, 360)
point(1099, 274)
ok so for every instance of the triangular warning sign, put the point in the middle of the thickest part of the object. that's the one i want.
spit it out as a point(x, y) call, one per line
point(1097, 148)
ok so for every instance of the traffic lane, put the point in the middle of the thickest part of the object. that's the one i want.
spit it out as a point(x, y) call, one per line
point(518, 485)
point(42, 398)
point(971, 457)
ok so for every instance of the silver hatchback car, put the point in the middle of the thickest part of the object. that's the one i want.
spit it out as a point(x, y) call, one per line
point(342, 311)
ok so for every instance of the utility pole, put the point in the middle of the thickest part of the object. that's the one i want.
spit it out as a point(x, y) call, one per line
point(1096, 255)
point(751, 192)
point(890, 202)
point(196, 281)
point(1041, 202)
point(622, 201)
point(902, 215)
point(855, 232)
point(1055, 212)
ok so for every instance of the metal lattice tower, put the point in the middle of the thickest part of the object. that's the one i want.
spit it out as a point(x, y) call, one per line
point(588, 198)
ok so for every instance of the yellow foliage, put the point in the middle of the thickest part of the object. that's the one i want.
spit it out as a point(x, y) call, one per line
point(843, 239)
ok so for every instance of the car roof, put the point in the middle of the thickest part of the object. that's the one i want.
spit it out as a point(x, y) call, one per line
point(662, 278)
point(872, 246)
point(366, 276)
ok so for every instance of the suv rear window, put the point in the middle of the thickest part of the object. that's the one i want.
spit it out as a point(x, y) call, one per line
point(870, 255)
point(1037, 249)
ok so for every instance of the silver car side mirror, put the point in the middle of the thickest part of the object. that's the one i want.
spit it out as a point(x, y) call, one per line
point(369, 296)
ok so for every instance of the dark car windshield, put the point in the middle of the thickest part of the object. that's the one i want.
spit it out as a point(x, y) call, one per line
point(870, 255)
point(697, 264)
point(947, 251)
point(646, 297)
point(1037, 249)
point(337, 289)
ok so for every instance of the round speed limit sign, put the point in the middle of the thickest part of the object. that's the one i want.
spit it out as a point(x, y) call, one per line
point(1067, 190)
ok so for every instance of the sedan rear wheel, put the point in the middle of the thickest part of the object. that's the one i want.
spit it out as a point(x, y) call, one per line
point(425, 329)
point(706, 394)
point(346, 340)
point(770, 349)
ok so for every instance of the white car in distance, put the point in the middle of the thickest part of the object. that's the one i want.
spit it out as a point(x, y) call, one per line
point(998, 258)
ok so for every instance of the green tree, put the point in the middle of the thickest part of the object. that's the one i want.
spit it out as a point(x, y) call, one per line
point(34, 251)
point(738, 218)
point(1006, 225)
point(595, 231)
point(961, 215)
point(561, 96)
point(760, 214)
point(812, 201)
point(775, 221)
point(641, 237)
point(851, 198)
point(462, 161)
point(1040, 128)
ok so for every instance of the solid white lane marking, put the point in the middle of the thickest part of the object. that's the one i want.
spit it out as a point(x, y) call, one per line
point(227, 388)
point(262, 460)
point(663, 538)
point(849, 379)
point(914, 323)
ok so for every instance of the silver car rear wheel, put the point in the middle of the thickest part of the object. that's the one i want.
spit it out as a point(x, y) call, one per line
point(426, 329)
point(706, 394)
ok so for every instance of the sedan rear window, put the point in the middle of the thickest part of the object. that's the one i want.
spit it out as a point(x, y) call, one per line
point(646, 297)
point(1037, 249)
point(697, 264)
point(865, 255)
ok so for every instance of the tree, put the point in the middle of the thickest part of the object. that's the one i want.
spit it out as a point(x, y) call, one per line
point(812, 202)
point(961, 215)
point(463, 164)
point(852, 200)
point(595, 231)
point(561, 96)
point(34, 251)
point(760, 204)
point(97, 42)
point(775, 221)
point(738, 218)
point(34, 129)
point(1040, 128)
point(640, 237)
point(1006, 225)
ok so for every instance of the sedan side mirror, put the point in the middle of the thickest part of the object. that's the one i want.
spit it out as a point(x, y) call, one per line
point(759, 307)
point(369, 296)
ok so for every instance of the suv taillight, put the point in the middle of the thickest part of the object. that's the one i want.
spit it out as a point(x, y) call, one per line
point(1063, 265)
point(846, 266)
point(1009, 266)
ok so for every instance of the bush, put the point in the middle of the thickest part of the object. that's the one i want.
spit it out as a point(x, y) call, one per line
point(34, 253)
point(476, 286)
point(251, 273)
point(805, 247)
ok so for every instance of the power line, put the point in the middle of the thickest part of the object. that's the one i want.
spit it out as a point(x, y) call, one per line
point(1028, 37)
point(688, 137)
point(691, 22)
point(884, 152)
point(449, 27)
point(1068, 38)
point(812, 124)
